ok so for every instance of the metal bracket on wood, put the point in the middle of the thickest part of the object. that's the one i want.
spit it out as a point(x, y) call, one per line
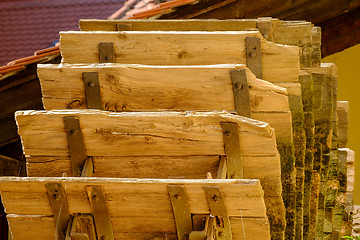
point(232, 150)
point(124, 27)
point(181, 209)
point(265, 27)
point(106, 52)
point(218, 210)
point(254, 55)
point(100, 212)
point(59, 208)
point(92, 90)
point(76, 146)
point(241, 92)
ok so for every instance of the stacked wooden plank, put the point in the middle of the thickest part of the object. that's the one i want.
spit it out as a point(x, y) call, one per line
point(255, 76)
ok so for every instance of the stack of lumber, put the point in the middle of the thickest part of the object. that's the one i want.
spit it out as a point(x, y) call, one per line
point(239, 114)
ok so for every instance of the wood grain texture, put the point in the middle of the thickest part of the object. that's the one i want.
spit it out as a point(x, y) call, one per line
point(142, 133)
point(296, 33)
point(154, 144)
point(280, 62)
point(141, 87)
point(145, 210)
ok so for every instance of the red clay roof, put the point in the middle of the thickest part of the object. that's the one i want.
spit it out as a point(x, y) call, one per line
point(26, 26)
point(20, 64)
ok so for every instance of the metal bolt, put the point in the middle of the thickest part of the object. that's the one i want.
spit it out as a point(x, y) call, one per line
point(239, 86)
point(91, 84)
point(252, 54)
point(227, 133)
point(55, 195)
point(95, 197)
point(73, 131)
point(253, 47)
point(221, 235)
point(215, 197)
point(176, 196)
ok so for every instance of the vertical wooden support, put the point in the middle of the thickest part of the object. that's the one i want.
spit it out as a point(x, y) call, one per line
point(306, 82)
point(232, 150)
point(254, 55)
point(181, 209)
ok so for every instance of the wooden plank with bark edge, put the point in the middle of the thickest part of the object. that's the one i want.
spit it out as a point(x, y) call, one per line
point(343, 121)
point(346, 227)
point(145, 211)
point(323, 105)
point(297, 33)
point(306, 82)
point(147, 137)
point(295, 168)
point(339, 211)
point(332, 179)
point(280, 62)
point(172, 87)
point(158, 87)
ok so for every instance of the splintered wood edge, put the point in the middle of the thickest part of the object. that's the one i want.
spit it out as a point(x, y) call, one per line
point(222, 115)
point(90, 180)
point(253, 81)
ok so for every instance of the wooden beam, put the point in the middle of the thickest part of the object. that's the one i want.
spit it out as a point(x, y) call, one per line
point(145, 205)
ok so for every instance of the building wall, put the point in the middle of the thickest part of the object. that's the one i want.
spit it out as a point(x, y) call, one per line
point(348, 64)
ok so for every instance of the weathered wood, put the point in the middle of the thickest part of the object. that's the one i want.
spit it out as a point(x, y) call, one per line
point(280, 63)
point(141, 87)
point(283, 32)
point(347, 170)
point(128, 144)
point(145, 211)
point(343, 121)
point(295, 168)
point(306, 82)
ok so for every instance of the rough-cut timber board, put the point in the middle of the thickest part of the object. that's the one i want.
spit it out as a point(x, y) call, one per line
point(172, 140)
point(307, 90)
point(280, 63)
point(138, 208)
point(143, 88)
point(343, 121)
point(297, 33)
point(295, 166)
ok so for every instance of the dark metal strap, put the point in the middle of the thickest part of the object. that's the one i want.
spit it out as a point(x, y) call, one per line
point(92, 90)
point(218, 209)
point(181, 209)
point(76, 144)
point(124, 27)
point(254, 55)
point(100, 212)
point(241, 92)
point(59, 207)
point(232, 150)
point(106, 53)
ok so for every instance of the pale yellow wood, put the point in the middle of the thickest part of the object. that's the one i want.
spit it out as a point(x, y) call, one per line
point(141, 133)
point(280, 121)
point(145, 204)
point(141, 87)
point(40, 228)
point(280, 62)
